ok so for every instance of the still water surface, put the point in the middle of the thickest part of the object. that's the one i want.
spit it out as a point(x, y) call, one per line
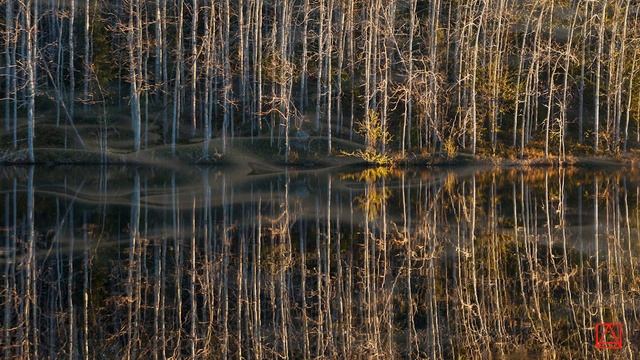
point(119, 262)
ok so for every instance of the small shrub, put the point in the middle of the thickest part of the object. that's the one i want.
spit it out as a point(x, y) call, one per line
point(375, 135)
point(450, 148)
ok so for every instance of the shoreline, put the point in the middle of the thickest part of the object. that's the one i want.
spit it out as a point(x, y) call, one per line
point(155, 158)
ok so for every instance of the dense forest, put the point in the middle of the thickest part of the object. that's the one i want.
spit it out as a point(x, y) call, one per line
point(492, 78)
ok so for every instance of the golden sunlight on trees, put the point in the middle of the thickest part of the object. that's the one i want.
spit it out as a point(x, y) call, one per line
point(376, 136)
point(529, 80)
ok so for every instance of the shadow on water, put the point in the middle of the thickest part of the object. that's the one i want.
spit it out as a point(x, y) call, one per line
point(201, 262)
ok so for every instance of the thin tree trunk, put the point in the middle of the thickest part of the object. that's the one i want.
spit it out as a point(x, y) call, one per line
point(31, 86)
point(72, 71)
point(177, 81)
point(194, 66)
point(8, 65)
point(596, 125)
point(133, 75)
point(87, 55)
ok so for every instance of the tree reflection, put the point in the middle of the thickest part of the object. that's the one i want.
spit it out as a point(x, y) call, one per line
point(296, 265)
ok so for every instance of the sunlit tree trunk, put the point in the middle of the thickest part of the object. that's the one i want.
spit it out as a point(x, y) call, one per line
point(72, 70)
point(550, 87)
point(30, 65)
point(565, 87)
point(581, 85)
point(8, 64)
point(209, 44)
point(87, 55)
point(598, 60)
point(226, 53)
point(329, 29)
point(177, 80)
point(341, 49)
point(194, 65)
point(320, 63)
point(474, 64)
point(303, 61)
point(408, 107)
point(241, 58)
point(133, 73)
point(352, 65)
point(257, 50)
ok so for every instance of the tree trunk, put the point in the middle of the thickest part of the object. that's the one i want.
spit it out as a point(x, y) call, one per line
point(133, 75)
point(601, 34)
point(31, 86)
point(177, 81)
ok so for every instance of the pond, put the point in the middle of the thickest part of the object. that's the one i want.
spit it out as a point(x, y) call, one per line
point(443, 263)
